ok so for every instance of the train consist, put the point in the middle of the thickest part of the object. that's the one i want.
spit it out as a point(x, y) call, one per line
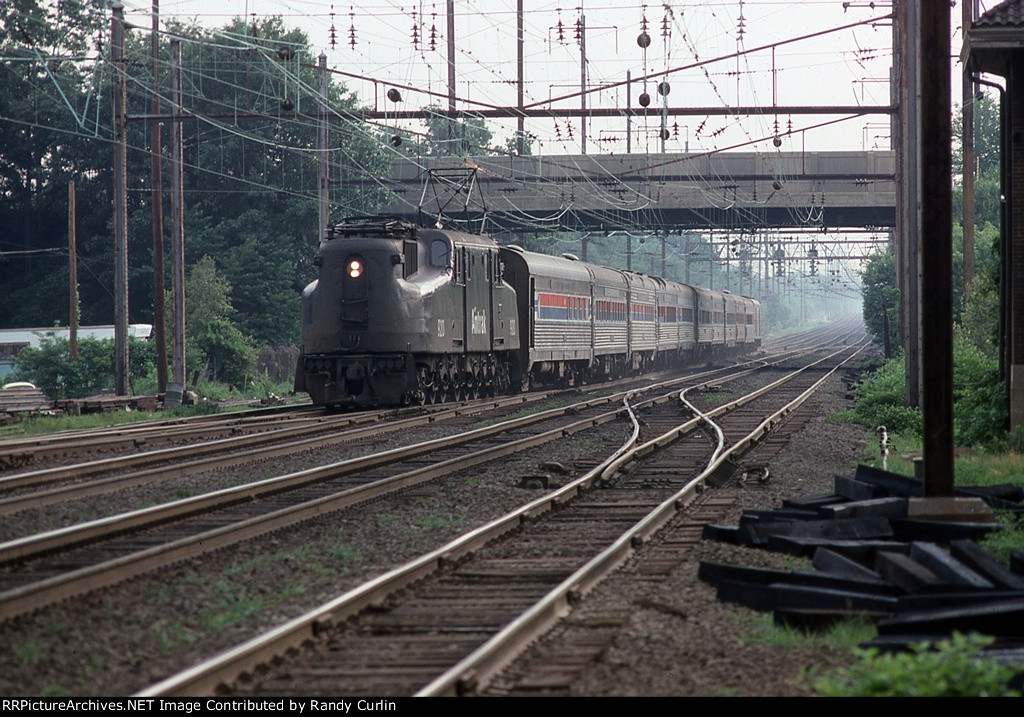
point(402, 314)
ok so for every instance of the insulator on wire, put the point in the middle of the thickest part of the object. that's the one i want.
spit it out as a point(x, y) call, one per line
point(352, 28)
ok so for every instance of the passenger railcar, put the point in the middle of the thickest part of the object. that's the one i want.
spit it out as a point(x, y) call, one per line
point(402, 314)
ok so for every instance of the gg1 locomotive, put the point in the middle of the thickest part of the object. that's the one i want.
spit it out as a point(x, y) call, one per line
point(402, 314)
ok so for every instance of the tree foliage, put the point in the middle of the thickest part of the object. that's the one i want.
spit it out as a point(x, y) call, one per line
point(250, 181)
point(987, 149)
point(470, 135)
point(50, 366)
point(878, 285)
point(219, 349)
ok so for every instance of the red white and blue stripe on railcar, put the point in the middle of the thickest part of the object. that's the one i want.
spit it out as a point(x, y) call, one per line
point(561, 307)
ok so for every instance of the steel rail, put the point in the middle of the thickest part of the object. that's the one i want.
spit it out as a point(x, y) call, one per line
point(481, 665)
point(34, 595)
point(21, 549)
point(16, 453)
point(43, 498)
point(267, 413)
point(208, 676)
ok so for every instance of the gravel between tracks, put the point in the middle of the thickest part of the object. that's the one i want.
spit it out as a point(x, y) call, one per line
point(679, 640)
point(125, 637)
point(122, 638)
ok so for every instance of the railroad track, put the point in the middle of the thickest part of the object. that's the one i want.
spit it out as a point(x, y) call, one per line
point(131, 548)
point(46, 567)
point(484, 600)
point(62, 446)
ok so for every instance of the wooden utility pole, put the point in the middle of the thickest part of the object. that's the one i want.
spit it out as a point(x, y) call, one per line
point(120, 92)
point(936, 197)
point(73, 274)
point(322, 142)
point(157, 194)
point(177, 227)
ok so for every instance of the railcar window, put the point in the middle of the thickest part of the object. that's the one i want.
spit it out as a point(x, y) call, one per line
point(439, 254)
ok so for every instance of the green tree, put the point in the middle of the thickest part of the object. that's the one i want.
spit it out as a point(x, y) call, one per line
point(987, 148)
point(224, 353)
point(54, 127)
point(878, 286)
point(255, 184)
point(228, 355)
point(251, 183)
point(207, 295)
point(471, 135)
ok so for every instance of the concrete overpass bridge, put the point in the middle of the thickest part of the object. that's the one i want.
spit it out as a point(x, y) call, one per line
point(643, 192)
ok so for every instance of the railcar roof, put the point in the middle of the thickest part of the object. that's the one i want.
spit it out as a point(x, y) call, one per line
point(553, 266)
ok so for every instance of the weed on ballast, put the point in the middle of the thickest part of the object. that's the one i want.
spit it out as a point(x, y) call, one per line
point(844, 634)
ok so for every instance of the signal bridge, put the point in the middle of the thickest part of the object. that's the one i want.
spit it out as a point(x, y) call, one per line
point(669, 192)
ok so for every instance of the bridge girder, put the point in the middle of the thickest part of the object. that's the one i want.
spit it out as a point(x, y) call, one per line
point(725, 190)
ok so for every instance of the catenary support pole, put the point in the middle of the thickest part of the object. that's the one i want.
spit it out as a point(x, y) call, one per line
point(120, 92)
point(937, 244)
point(177, 223)
point(157, 195)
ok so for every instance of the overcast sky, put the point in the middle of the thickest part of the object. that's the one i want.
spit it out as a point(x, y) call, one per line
point(846, 67)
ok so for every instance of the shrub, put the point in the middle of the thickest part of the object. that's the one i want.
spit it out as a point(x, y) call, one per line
point(881, 400)
point(228, 354)
point(979, 411)
point(953, 668)
point(50, 366)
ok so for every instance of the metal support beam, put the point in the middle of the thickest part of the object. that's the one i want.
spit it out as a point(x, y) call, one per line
point(324, 174)
point(120, 103)
point(937, 244)
point(177, 225)
point(157, 195)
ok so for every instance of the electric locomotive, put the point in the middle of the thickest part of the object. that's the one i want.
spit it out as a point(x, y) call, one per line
point(401, 314)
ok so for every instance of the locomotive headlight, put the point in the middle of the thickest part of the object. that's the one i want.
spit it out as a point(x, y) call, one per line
point(354, 267)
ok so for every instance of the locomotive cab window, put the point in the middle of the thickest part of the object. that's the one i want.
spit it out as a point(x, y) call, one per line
point(440, 254)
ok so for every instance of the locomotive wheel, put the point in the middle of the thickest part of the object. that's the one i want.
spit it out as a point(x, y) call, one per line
point(434, 393)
